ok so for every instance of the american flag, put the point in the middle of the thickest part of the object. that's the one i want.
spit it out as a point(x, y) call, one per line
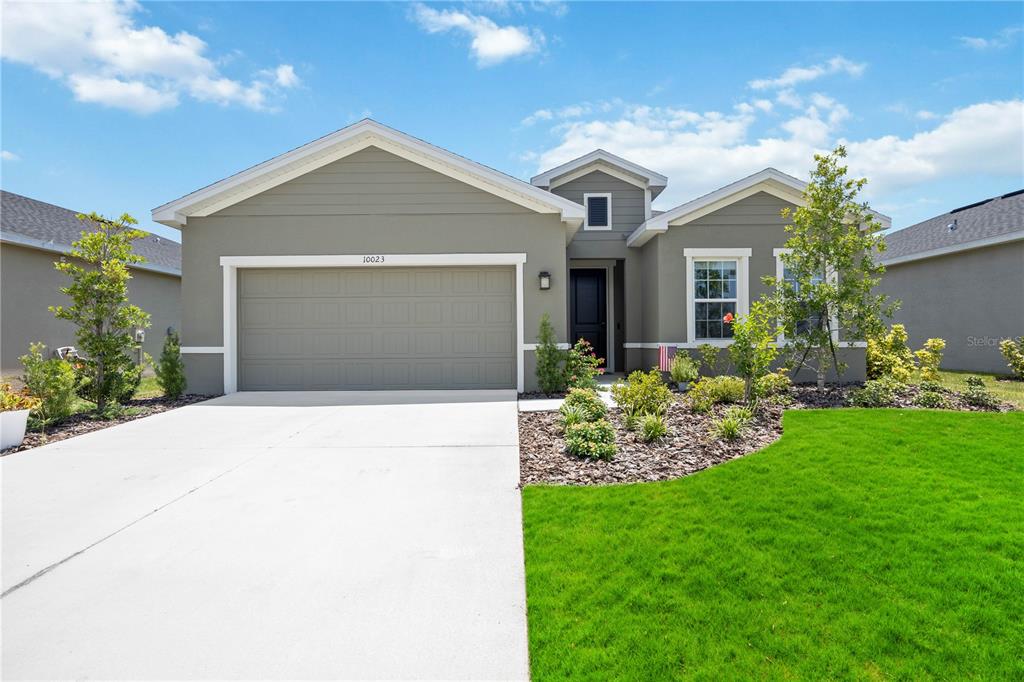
point(665, 355)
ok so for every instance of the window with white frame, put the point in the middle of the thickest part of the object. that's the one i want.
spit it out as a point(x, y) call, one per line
point(715, 297)
point(599, 211)
point(783, 274)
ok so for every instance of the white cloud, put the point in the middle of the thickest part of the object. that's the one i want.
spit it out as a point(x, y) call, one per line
point(925, 115)
point(490, 43)
point(702, 151)
point(1001, 40)
point(539, 115)
point(789, 98)
point(802, 74)
point(103, 56)
point(9, 156)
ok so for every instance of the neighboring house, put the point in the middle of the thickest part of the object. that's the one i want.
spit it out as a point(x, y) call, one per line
point(960, 277)
point(370, 259)
point(33, 235)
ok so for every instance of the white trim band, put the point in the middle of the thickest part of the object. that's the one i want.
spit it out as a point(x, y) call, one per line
point(718, 343)
point(198, 350)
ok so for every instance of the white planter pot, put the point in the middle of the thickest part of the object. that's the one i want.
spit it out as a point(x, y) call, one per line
point(12, 428)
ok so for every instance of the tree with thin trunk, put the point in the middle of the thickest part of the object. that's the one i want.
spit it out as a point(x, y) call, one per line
point(106, 321)
point(830, 271)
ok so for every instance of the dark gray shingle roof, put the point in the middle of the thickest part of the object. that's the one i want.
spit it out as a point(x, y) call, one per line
point(996, 217)
point(54, 228)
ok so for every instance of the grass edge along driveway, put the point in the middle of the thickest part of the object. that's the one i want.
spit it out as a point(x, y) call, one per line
point(865, 544)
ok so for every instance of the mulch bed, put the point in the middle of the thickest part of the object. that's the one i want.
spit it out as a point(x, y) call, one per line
point(77, 424)
point(687, 449)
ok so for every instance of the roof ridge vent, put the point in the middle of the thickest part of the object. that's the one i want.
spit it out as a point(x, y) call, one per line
point(974, 205)
point(1012, 194)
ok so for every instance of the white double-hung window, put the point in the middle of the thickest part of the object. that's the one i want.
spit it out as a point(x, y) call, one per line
point(716, 292)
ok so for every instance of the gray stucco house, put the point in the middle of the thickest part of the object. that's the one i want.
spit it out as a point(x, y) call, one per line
point(370, 259)
point(34, 234)
point(960, 277)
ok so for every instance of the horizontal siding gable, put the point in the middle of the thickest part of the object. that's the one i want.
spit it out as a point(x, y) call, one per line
point(627, 202)
point(372, 182)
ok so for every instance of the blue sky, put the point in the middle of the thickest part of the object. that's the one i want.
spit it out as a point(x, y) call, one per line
point(122, 107)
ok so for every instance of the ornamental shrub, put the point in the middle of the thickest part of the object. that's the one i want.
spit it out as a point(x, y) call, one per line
point(652, 428)
point(11, 400)
point(683, 369)
point(594, 440)
point(1013, 351)
point(582, 366)
point(587, 400)
point(889, 356)
point(932, 399)
point(876, 393)
point(929, 358)
point(753, 346)
point(573, 414)
point(732, 424)
point(642, 393)
point(979, 396)
point(170, 370)
point(708, 357)
point(773, 384)
point(550, 360)
point(711, 391)
point(52, 381)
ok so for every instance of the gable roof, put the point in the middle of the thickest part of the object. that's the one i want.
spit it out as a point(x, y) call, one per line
point(39, 225)
point(985, 223)
point(601, 160)
point(347, 141)
point(769, 180)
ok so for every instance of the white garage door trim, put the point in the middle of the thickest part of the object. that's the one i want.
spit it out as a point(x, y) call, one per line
point(231, 264)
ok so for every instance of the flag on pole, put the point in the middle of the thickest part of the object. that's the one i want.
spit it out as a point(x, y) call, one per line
point(665, 355)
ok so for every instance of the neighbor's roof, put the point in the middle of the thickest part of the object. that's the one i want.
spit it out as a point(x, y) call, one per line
point(347, 141)
point(600, 160)
point(985, 223)
point(37, 224)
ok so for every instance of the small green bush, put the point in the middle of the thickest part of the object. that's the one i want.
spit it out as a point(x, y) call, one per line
point(594, 440)
point(632, 420)
point(744, 414)
point(587, 400)
point(876, 393)
point(932, 399)
point(642, 393)
point(931, 387)
point(683, 369)
point(711, 391)
point(773, 384)
point(1013, 351)
point(582, 366)
point(170, 370)
point(652, 428)
point(728, 428)
point(979, 396)
point(929, 358)
point(550, 360)
point(52, 381)
point(708, 357)
point(889, 356)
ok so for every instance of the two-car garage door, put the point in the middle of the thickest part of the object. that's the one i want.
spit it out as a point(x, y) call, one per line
point(376, 328)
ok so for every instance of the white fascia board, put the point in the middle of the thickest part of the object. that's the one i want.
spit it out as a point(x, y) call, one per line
point(345, 142)
point(374, 260)
point(65, 250)
point(651, 178)
point(955, 248)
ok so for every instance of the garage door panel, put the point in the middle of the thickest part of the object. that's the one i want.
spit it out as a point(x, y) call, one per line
point(382, 328)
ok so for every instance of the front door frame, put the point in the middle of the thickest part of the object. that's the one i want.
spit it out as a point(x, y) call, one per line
point(231, 264)
point(609, 297)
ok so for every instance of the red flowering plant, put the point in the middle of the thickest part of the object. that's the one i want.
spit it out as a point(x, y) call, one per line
point(582, 366)
point(728, 318)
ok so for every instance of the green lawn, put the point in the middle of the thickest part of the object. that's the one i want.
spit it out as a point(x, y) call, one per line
point(1012, 391)
point(870, 544)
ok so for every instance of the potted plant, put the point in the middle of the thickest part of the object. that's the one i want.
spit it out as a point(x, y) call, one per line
point(683, 371)
point(14, 409)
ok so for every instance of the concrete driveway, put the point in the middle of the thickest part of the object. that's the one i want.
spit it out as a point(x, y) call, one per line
point(272, 535)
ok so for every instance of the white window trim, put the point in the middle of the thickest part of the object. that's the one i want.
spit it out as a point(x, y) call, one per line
point(586, 211)
point(780, 272)
point(231, 265)
point(742, 258)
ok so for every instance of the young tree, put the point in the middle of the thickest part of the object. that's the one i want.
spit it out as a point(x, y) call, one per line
point(753, 344)
point(170, 370)
point(550, 370)
point(830, 271)
point(99, 306)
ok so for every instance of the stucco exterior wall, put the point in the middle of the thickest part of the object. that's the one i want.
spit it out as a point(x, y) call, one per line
point(369, 203)
point(972, 299)
point(30, 284)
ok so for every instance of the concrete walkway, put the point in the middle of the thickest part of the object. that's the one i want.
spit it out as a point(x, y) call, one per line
point(283, 535)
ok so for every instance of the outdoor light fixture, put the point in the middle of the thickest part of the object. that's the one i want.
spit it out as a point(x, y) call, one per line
point(545, 280)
